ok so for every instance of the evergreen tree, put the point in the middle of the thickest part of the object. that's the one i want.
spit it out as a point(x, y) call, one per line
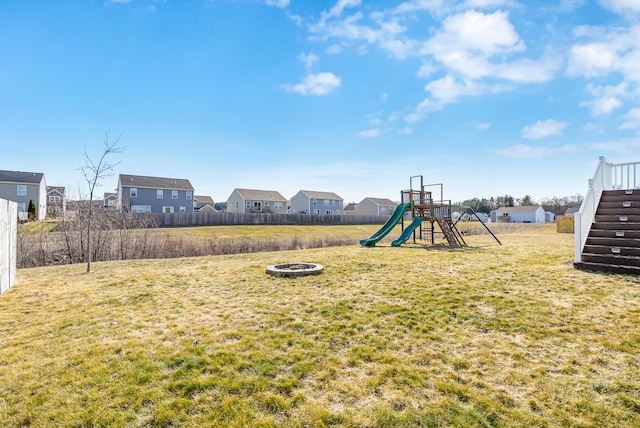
point(31, 210)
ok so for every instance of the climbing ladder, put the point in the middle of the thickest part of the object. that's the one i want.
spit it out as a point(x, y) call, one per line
point(451, 232)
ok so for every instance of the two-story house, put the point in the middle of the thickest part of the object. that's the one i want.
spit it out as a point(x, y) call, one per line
point(256, 201)
point(312, 202)
point(23, 187)
point(375, 206)
point(56, 201)
point(141, 194)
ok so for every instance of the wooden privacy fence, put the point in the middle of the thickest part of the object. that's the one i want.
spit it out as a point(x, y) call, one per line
point(219, 219)
point(8, 236)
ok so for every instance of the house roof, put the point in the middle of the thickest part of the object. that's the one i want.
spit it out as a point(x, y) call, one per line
point(155, 182)
point(109, 195)
point(351, 206)
point(571, 210)
point(522, 209)
point(21, 177)
point(59, 189)
point(261, 195)
point(321, 195)
point(203, 199)
point(380, 201)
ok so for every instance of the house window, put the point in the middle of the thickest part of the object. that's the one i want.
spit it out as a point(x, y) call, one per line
point(189, 195)
point(54, 198)
point(183, 209)
point(266, 204)
point(333, 203)
point(140, 209)
point(22, 207)
point(327, 203)
point(257, 205)
point(248, 205)
point(174, 194)
point(22, 190)
point(237, 205)
point(316, 211)
point(327, 212)
point(133, 193)
point(159, 194)
point(111, 203)
point(315, 202)
point(167, 210)
point(277, 205)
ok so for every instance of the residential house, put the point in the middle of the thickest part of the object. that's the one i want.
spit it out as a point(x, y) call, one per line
point(141, 194)
point(376, 206)
point(349, 209)
point(523, 214)
point(572, 210)
point(312, 202)
point(203, 204)
point(110, 201)
point(256, 201)
point(56, 201)
point(23, 187)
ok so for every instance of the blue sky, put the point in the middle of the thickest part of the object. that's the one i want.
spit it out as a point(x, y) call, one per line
point(488, 97)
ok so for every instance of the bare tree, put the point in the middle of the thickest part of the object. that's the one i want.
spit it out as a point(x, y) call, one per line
point(94, 171)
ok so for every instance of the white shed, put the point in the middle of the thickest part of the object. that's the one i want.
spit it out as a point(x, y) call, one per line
point(524, 214)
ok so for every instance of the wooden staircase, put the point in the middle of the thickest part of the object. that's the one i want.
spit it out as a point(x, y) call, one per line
point(451, 232)
point(613, 243)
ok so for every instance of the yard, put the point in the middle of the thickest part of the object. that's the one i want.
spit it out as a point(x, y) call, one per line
point(488, 335)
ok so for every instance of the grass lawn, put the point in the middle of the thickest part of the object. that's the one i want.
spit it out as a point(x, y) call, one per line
point(488, 335)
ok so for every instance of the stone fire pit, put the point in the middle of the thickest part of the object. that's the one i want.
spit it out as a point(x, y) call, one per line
point(294, 269)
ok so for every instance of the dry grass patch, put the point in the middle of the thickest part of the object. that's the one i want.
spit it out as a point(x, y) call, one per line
point(490, 335)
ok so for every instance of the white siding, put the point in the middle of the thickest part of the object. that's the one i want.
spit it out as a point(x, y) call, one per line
point(8, 233)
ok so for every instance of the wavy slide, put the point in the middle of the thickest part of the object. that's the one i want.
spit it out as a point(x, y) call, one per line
point(407, 232)
point(387, 227)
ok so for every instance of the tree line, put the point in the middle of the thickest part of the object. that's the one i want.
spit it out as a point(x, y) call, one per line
point(557, 205)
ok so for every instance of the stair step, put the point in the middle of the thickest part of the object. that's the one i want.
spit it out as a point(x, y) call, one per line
point(612, 259)
point(619, 204)
point(633, 218)
point(610, 225)
point(617, 211)
point(619, 196)
point(614, 233)
point(609, 241)
point(616, 249)
point(600, 267)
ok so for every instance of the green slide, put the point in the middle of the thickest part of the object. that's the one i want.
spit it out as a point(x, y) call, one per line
point(387, 227)
point(407, 232)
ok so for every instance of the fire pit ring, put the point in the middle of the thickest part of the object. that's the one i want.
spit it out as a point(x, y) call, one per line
point(294, 269)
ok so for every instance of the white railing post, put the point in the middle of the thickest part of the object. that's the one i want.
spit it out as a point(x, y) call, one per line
point(577, 236)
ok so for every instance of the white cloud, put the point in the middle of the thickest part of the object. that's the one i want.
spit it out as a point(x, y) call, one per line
point(621, 6)
point(369, 133)
point(487, 4)
point(543, 129)
point(525, 151)
point(477, 32)
point(316, 84)
point(278, 3)
point(334, 49)
point(482, 125)
point(338, 8)
point(308, 60)
point(406, 130)
point(622, 145)
point(607, 98)
point(631, 119)
point(435, 7)
point(425, 71)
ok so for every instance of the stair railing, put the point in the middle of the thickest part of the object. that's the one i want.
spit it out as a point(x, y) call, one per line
point(608, 176)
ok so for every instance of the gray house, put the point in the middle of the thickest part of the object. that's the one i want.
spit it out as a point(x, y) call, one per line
point(23, 187)
point(56, 201)
point(375, 206)
point(256, 201)
point(312, 202)
point(140, 194)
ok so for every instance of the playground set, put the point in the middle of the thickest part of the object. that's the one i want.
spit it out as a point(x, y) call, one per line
point(426, 212)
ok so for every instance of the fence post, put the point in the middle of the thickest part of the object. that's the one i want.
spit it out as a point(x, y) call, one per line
point(8, 243)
